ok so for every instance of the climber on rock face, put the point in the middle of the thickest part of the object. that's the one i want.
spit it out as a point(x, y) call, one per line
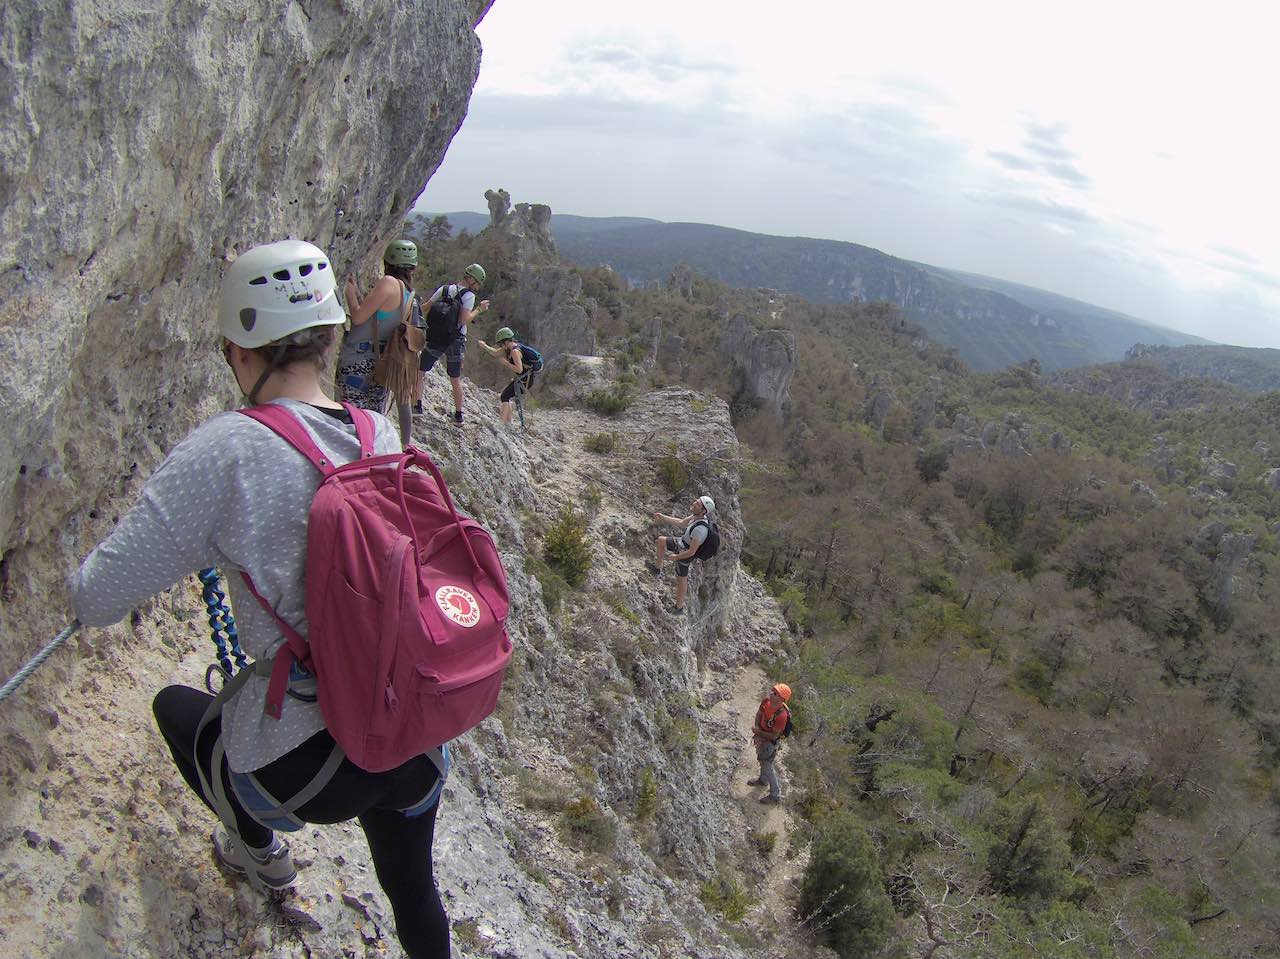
point(701, 540)
point(772, 722)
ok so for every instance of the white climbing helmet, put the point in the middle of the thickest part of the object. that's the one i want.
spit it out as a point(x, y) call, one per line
point(277, 289)
point(707, 503)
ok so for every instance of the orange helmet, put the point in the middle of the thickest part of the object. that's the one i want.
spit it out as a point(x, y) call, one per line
point(783, 691)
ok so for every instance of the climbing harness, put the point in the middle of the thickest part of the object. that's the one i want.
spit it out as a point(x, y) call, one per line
point(222, 626)
point(21, 675)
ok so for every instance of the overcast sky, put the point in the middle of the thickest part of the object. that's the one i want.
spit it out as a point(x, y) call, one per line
point(1124, 153)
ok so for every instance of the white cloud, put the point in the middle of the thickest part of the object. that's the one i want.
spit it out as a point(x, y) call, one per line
point(1136, 129)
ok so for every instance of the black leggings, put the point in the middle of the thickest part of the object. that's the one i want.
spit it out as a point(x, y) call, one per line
point(400, 846)
point(509, 394)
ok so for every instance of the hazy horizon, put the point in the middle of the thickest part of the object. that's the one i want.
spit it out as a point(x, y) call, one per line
point(956, 139)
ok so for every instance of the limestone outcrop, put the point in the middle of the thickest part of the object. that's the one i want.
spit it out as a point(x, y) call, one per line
point(549, 306)
point(764, 363)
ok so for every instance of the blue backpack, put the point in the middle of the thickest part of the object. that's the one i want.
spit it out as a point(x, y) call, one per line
point(530, 358)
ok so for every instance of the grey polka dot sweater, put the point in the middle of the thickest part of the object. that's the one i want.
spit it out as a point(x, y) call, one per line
point(236, 496)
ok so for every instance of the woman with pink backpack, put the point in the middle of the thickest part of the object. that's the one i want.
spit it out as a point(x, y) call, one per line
point(231, 495)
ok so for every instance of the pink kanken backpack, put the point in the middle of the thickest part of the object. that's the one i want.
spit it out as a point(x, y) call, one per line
point(406, 603)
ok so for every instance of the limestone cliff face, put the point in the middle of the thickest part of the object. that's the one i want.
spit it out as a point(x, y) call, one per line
point(764, 363)
point(141, 148)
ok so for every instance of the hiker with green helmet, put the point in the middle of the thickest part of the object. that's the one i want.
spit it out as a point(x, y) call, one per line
point(235, 495)
point(523, 360)
point(385, 312)
point(449, 311)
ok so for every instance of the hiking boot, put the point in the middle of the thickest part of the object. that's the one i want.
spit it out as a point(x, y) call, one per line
point(653, 569)
point(418, 410)
point(673, 609)
point(755, 782)
point(457, 417)
point(274, 866)
point(770, 800)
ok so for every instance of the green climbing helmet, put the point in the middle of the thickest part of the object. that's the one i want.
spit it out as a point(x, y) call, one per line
point(476, 272)
point(401, 253)
point(506, 333)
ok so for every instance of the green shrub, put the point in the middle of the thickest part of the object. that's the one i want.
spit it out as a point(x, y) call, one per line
point(939, 584)
point(608, 402)
point(585, 822)
point(931, 464)
point(567, 550)
point(601, 443)
point(646, 795)
point(553, 584)
point(672, 474)
point(1029, 855)
point(843, 889)
point(725, 895)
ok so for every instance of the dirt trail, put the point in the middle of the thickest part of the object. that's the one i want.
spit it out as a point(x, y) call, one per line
point(739, 710)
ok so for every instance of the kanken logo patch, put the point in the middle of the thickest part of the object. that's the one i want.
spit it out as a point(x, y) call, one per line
point(458, 605)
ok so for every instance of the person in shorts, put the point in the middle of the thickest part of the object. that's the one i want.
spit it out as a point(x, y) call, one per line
point(464, 292)
point(683, 549)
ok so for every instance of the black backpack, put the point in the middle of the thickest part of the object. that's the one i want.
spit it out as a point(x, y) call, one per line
point(530, 358)
point(442, 319)
point(711, 545)
point(786, 730)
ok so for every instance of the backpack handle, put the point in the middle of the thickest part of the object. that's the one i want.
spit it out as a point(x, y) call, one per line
point(416, 457)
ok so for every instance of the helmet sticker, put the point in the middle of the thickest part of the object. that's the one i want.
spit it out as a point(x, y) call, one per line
point(458, 605)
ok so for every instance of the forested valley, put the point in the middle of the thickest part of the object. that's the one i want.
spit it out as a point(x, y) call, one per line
point(1030, 625)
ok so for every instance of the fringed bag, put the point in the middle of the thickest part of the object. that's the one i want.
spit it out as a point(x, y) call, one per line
point(396, 370)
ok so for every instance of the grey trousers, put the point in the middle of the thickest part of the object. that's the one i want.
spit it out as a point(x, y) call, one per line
point(766, 753)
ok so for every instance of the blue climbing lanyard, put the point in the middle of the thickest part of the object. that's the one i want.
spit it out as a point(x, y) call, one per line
point(222, 626)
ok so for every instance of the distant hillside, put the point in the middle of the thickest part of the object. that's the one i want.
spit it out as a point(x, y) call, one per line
point(1113, 332)
point(990, 323)
point(1142, 385)
point(1252, 369)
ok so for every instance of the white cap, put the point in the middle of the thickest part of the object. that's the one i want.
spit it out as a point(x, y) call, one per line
point(707, 503)
point(275, 290)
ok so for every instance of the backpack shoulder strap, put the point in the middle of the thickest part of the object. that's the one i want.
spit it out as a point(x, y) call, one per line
point(365, 428)
point(290, 429)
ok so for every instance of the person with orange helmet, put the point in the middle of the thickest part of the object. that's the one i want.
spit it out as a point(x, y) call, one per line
point(772, 723)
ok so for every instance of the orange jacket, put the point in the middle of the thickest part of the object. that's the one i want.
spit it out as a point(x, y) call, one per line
point(771, 723)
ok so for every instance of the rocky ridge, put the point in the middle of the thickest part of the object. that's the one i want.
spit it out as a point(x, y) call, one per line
point(605, 694)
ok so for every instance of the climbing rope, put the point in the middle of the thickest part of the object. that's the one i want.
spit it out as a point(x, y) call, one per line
point(21, 675)
point(221, 624)
point(222, 627)
point(520, 391)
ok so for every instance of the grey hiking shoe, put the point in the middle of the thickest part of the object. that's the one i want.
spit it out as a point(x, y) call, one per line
point(770, 800)
point(755, 782)
point(457, 417)
point(652, 568)
point(274, 866)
